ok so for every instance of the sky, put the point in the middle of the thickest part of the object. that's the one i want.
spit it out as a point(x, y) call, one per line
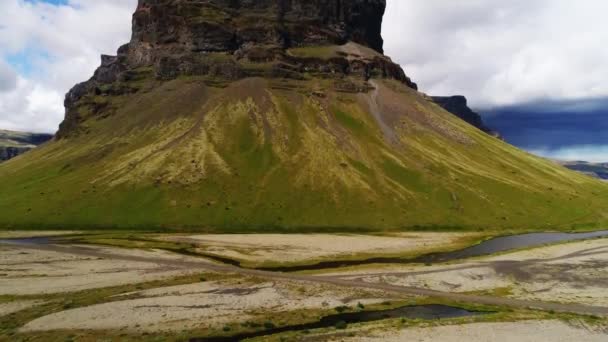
point(566, 130)
point(524, 64)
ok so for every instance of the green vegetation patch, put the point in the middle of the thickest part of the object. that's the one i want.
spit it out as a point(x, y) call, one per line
point(259, 156)
point(322, 52)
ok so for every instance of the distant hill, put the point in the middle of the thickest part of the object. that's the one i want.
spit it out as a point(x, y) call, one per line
point(598, 170)
point(14, 143)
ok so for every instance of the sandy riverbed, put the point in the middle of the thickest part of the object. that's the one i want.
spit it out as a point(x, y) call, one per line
point(274, 248)
point(528, 331)
point(28, 272)
point(203, 306)
point(571, 273)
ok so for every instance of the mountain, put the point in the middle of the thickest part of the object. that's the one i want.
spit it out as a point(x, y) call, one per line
point(598, 170)
point(458, 105)
point(14, 143)
point(276, 115)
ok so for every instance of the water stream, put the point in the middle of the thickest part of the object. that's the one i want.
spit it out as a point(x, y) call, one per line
point(488, 247)
point(425, 312)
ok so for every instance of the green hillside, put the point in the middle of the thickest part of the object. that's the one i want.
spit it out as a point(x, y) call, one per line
point(276, 154)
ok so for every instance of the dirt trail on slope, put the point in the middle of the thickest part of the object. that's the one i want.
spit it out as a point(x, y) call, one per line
point(332, 280)
point(374, 107)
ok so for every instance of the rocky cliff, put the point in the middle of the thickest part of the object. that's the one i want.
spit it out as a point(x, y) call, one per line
point(9, 152)
point(230, 25)
point(458, 105)
point(13, 143)
point(227, 40)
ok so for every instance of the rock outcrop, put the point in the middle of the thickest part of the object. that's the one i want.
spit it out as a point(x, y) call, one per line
point(227, 40)
point(228, 25)
point(10, 152)
point(458, 105)
point(13, 144)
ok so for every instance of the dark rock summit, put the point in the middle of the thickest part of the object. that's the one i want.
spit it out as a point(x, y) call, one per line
point(227, 40)
point(458, 105)
point(227, 25)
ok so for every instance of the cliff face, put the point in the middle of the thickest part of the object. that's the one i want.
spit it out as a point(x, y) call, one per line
point(13, 143)
point(227, 25)
point(458, 105)
point(227, 40)
point(9, 152)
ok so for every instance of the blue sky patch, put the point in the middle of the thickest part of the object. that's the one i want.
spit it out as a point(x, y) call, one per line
point(53, 2)
point(25, 62)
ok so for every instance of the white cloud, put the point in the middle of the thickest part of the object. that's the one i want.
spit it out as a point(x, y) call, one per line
point(590, 153)
point(39, 108)
point(502, 52)
point(59, 47)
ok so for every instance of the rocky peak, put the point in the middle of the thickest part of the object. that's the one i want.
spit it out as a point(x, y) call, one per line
point(458, 105)
point(260, 30)
point(226, 25)
point(221, 41)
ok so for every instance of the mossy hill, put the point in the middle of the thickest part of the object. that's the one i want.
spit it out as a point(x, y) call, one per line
point(276, 116)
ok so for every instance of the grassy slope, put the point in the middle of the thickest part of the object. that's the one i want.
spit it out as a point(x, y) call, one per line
point(254, 157)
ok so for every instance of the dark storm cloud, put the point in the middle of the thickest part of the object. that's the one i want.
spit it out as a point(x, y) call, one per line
point(557, 129)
